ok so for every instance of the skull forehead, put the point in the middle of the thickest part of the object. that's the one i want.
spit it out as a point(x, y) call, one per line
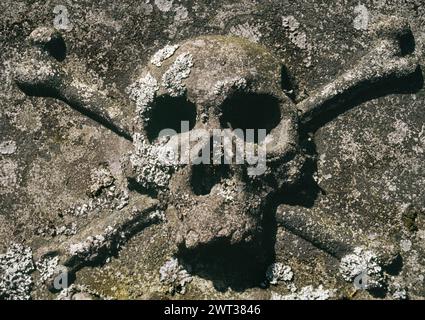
point(220, 59)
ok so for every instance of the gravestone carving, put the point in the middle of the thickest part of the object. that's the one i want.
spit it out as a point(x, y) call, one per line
point(210, 82)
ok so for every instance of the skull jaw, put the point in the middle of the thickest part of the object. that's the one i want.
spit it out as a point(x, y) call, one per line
point(223, 242)
point(213, 219)
point(202, 220)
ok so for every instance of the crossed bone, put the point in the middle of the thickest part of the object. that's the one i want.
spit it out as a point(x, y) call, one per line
point(41, 73)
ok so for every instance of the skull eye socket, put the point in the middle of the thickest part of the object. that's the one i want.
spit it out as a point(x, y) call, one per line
point(57, 48)
point(250, 111)
point(168, 113)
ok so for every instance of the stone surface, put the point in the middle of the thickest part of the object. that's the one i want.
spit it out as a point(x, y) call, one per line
point(63, 175)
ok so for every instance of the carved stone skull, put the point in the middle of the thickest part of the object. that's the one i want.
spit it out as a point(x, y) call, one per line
point(210, 83)
point(215, 82)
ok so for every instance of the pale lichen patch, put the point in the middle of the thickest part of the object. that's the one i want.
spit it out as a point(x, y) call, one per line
point(306, 293)
point(279, 272)
point(365, 264)
point(173, 78)
point(143, 93)
point(163, 55)
point(16, 266)
point(175, 276)
point(7, 147)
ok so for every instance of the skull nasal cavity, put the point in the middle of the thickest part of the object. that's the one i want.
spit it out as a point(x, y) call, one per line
point(57, 49)
point(205, 177)
point(168, 113)
point(250, 111)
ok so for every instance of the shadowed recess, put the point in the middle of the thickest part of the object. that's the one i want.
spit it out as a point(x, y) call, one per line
point(168, 113)
point(57, 49)
point(204, 177)
point(250, 111)
point(241, 266)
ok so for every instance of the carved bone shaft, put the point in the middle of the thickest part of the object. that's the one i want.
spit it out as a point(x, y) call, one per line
point(103, 237)
point(95, 106)
point(40, 73)
point(316, 232)
point(386, 61)
point(334, 239)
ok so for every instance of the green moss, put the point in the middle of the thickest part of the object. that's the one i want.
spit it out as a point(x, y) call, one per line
point(263, 57)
